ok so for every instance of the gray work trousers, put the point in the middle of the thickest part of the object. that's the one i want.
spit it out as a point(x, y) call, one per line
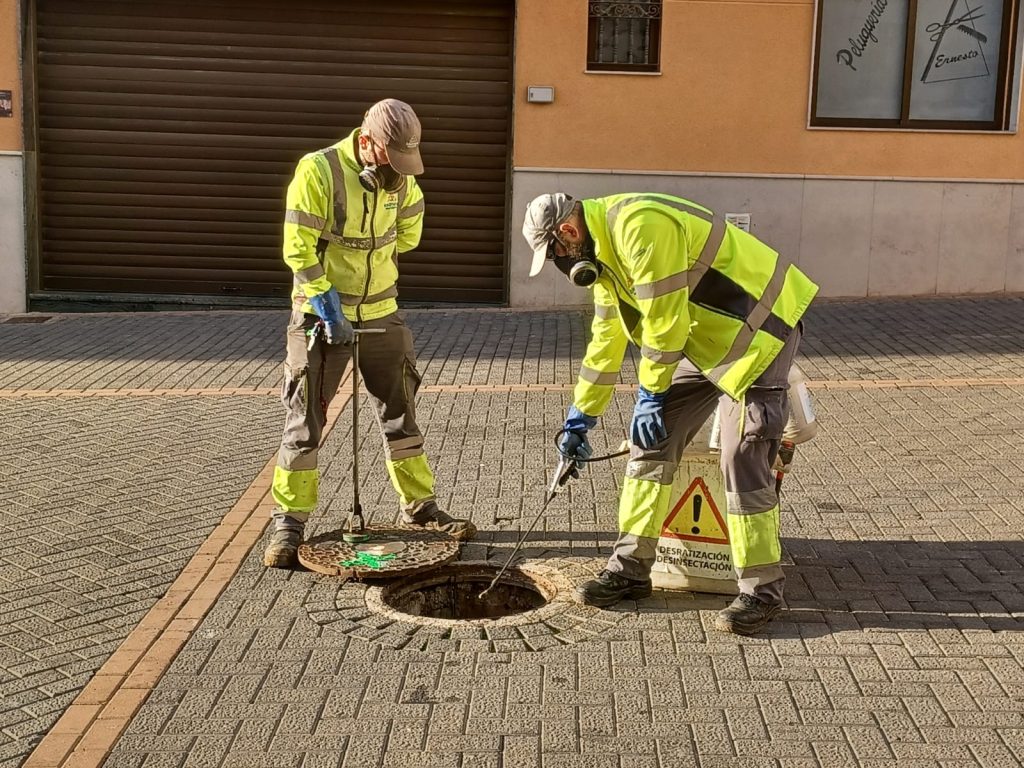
point(751, 434)
point(387, 365)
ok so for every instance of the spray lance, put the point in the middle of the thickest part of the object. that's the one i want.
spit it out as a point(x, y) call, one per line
point(568, 467)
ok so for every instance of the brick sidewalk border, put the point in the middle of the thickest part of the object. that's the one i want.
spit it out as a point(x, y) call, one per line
point(14, 394)
point(92, 724)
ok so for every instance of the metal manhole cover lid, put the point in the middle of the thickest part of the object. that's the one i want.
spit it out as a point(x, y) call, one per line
point(391, 552)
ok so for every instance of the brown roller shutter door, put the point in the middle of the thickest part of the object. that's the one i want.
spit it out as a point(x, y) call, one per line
point(168, 131)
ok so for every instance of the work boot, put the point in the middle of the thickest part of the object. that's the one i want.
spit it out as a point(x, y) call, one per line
point(283, 549)
point(610, 587)
point(431, 518)
point(746, 615)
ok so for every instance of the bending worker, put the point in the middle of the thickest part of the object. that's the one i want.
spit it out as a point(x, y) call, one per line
point(352, 208)
point(716, 314)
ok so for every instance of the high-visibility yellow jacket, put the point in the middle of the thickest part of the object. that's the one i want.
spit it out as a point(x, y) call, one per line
point(336, 233)
point(679, 282)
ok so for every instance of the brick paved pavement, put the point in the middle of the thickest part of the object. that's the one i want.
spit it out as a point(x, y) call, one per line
point(903, 638)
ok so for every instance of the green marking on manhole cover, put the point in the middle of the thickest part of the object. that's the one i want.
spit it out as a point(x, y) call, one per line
point(391, 552)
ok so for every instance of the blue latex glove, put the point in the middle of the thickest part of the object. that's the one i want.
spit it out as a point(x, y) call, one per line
point(573, 442)
point(337, 328)
point(648, 427)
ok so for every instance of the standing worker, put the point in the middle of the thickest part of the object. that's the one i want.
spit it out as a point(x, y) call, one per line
point(352, 208)
point(716, 314)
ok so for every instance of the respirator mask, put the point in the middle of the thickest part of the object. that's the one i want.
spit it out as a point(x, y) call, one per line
point(579, 265)
point(375, 178)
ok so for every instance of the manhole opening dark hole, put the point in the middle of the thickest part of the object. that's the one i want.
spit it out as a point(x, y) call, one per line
point(454, 593)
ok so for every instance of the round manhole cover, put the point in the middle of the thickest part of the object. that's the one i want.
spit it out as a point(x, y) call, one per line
point(390, 552)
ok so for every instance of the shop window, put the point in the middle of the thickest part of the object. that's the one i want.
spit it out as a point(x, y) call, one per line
point(938, 64)
point(624, 37)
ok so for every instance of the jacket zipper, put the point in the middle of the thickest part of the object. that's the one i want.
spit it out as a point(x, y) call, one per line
point(369, 253)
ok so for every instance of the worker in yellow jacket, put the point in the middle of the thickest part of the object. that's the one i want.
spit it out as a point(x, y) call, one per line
point(717, 315)
point(352, 208)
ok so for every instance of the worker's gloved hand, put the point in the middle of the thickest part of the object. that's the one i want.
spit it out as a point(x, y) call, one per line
point(337, 328)
point(573, 443)
point(648, 427)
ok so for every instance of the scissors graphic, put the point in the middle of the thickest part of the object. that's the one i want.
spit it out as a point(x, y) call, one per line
point(938, 29)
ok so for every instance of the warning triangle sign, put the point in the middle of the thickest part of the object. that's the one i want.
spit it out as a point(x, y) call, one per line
point(695, 517)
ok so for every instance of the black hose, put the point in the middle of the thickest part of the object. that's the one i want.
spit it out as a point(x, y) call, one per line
point(592, 459)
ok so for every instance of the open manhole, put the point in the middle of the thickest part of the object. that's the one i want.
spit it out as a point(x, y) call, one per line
point(533, 608)
point(452, 593)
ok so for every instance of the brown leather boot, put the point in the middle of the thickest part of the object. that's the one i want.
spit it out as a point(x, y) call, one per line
point(283, 549)
point(433, 519)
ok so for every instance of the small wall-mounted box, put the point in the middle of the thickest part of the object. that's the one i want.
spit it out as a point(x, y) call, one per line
point(741, 220)
point(540, 94)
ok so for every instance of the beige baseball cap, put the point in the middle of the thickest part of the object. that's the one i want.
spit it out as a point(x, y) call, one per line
point(543, 215)
point(394, 123)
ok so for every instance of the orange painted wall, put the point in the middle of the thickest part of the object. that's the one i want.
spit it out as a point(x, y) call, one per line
point(732, 98)
point(10, 73)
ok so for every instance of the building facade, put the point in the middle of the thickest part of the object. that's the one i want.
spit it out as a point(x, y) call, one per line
point(874, 141)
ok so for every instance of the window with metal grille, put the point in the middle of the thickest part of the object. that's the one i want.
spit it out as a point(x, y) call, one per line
point(624, 37)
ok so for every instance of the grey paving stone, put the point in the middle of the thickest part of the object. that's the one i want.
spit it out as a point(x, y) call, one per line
point(901, 524)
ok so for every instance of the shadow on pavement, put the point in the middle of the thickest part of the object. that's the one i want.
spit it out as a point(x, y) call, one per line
point(833, 586)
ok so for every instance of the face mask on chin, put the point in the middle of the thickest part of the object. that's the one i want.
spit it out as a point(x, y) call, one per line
point(393, 180)
point(563, 264)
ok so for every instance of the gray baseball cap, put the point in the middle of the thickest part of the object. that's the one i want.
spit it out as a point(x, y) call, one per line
point(543, 215)
point(394, 123)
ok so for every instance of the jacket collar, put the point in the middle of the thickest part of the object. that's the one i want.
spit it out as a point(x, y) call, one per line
point(348, 149)
point(595, 213)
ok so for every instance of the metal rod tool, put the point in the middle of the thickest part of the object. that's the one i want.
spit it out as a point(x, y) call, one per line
point(355, 532)
point(562, 474)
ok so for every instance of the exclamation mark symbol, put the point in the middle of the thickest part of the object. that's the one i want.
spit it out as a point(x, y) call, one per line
point(696, 514)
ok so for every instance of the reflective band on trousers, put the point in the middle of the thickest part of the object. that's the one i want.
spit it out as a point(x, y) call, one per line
point(604, 312)
point(598, 377)
point(304, 219)
point(751, 502)
point(405, 442)
point(661, 472)
point(751, 577)
point(405, 453)
point(404, 447)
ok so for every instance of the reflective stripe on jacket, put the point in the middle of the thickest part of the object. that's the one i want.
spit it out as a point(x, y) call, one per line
point(336, 233)
point(681, 282)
